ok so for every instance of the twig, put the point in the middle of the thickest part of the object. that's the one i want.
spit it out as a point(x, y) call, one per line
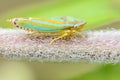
point(97, 46)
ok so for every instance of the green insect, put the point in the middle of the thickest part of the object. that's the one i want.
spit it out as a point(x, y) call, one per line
point(66, 26)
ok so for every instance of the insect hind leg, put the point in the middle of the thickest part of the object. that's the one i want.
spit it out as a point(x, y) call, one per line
point(66, 33)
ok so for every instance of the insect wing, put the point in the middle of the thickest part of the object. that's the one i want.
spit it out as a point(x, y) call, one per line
point(41, 25)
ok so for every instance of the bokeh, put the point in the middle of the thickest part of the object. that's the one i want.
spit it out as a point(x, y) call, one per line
point(95, 13)
point(99, 14)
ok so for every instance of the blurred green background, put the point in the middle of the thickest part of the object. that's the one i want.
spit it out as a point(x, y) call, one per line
point(99, 14)
point(95, 13)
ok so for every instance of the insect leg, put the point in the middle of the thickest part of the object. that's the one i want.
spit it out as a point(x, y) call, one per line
point(63, 35)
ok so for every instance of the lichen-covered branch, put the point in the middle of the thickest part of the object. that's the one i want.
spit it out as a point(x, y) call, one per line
point(94, 46)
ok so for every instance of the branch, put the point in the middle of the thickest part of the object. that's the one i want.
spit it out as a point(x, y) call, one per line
point(96, 46)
